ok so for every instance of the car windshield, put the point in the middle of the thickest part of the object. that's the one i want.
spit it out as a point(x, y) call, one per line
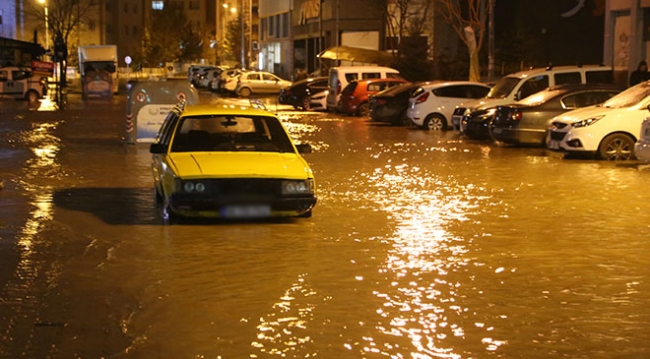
point(230, 133)
point(629, 97)
point(503, 88)
point(540, 97)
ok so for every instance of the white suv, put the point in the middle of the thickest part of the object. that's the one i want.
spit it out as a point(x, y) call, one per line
point(608, 130)
point(432, 104)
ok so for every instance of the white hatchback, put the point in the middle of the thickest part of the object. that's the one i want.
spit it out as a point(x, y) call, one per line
point(608, 130)
point(432, 104)
point(642, 147)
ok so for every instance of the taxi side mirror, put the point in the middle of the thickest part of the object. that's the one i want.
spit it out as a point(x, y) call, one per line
point(304, 148)
point(158, 148)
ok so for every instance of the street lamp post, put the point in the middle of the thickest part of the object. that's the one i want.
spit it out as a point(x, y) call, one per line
point(47, 26)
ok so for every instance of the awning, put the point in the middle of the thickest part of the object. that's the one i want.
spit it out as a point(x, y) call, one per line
point(356, 54)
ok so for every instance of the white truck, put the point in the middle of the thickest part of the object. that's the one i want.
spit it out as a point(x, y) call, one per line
point(97, 58)
point(22, 83)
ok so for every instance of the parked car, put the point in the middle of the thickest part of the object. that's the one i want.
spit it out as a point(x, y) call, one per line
point(526, 121)
point(227, 81)
point(251, 82)
point(517, 86)
point(642, 147)
point(22, 83)
point(354, 97)
point(318, 101)
point(339, 77)
point(299, 93)
point(206, 80)
point(392, 104)
point(225, 161)
point(195, 72)
point(433, 103)
point(608, 130)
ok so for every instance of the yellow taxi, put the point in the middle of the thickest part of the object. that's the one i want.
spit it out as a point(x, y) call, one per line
point(229, 161)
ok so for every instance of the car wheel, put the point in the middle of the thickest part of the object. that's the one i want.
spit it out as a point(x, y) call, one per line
point(306, 103)
point(245, 92)
point(616, 147)
point(363, 109)
point(435, 122)
point(32, 96)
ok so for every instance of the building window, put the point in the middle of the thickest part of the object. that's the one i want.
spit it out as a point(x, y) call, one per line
point(135, 30)
point(126, 30)
point(195, 5)
point(135, 8)
point(263, 29)
point(271, 26)
point(157, 5)
point(126, 7)
point(285, 24)
point(277, 25)
point(177, 4)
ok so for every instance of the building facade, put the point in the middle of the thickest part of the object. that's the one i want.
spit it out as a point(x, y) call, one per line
point(627, 36)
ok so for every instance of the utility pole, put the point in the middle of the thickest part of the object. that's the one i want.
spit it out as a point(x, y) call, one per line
point(243, 34)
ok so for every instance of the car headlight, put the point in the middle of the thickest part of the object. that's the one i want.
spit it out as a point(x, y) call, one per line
point(190, 186)
point(298, 187)
point(587, 122)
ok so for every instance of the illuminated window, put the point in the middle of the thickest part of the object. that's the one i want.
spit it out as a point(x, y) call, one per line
point(157, 5)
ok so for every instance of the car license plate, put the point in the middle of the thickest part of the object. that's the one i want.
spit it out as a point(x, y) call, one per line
point(254, 211)
point(554, 145)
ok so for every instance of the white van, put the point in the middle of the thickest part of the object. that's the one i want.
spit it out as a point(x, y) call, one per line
point(517, 86)
point(341, 76)
point(21, 83)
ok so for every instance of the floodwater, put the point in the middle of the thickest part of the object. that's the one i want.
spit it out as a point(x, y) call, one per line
point(422, 245)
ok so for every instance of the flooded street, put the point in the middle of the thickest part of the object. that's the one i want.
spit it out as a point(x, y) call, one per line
point(422, 245)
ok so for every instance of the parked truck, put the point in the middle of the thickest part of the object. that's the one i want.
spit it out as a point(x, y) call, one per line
point(98, 69)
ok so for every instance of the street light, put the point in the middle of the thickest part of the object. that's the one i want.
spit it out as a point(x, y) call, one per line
point(47, 27)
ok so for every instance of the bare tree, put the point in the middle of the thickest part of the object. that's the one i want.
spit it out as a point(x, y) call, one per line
point(64, 16)
point(406, 18)
point(467, 18)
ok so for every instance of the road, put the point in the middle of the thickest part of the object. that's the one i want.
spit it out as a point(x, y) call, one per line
point(422, 245)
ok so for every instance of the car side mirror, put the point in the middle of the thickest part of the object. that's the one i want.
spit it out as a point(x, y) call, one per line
point(158, 148)
point(304, 148)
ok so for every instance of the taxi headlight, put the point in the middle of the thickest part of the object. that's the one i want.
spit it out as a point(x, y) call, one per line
point(587, 122)
point(191, 186)
point(298, 187)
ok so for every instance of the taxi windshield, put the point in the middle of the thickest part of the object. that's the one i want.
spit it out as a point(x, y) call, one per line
point(230, 133)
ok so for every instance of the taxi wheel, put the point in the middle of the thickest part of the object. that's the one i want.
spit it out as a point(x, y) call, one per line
point(617, 147)
point(245, 92)
point(435, 122)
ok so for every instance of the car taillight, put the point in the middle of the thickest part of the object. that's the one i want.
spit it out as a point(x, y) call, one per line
point(516, 115)
point(380, 101)
point(422, 98)
point(338, 87)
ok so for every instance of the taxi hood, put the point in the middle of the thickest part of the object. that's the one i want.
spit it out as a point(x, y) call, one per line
point(240, 165)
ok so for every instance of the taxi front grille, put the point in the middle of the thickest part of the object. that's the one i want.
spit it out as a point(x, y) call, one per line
point(557, 136)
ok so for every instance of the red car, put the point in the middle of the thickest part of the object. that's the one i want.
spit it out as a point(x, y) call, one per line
point(354, 97)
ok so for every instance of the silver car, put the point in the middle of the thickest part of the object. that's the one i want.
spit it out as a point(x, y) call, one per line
point(259, 82)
